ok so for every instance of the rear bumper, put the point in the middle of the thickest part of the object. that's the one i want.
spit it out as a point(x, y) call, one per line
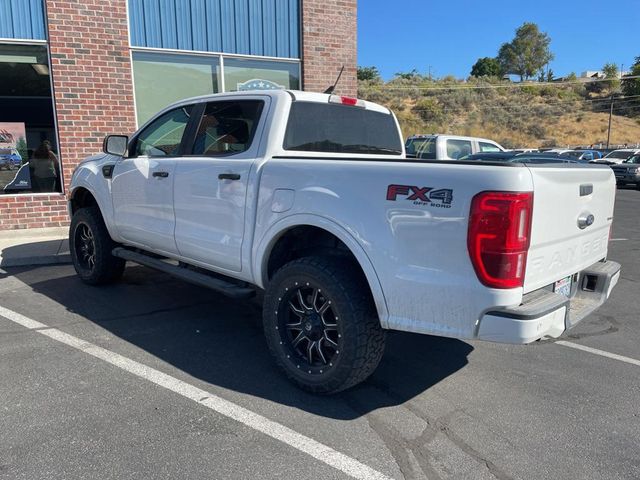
point(544, 313)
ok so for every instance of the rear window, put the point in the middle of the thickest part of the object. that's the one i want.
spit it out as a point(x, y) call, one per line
point(421, 147)
point(324, 127)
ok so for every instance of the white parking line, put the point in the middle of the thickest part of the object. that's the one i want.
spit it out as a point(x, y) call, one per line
point(315, 449)
point(602, 353)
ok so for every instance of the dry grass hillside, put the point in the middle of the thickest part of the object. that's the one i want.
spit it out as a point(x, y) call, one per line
point(532, 116)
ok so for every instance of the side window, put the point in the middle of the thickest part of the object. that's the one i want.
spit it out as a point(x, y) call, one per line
point(488, 147)
point(458, 148)
point(163, 136)
point(227, 127)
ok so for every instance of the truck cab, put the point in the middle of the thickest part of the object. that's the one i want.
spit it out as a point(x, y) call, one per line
point(448, 147)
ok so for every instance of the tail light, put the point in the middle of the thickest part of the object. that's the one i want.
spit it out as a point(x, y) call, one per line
point(498, 237)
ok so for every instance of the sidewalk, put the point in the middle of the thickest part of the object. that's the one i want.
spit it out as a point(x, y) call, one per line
point(35, 246)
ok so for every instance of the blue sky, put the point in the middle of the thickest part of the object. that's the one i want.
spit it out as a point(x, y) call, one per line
point(400, 35)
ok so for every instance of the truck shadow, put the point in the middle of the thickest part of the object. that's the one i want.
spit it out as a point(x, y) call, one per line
point(220, 342)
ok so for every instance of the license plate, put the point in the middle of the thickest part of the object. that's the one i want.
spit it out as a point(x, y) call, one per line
point(563, 287)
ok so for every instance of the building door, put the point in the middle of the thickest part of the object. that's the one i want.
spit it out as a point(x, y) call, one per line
point(142, 183)
point(211, 182)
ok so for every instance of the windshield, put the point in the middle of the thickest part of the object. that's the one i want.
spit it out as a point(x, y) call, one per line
point(573, 154)
point(422, 147)
point(618, 154)
point(634, 159)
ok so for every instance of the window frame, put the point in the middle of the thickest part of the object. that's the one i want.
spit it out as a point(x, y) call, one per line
point(61, 168)
point(188, 146)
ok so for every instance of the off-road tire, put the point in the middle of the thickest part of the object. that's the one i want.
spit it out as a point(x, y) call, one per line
point(105, 268)
point(357, 333)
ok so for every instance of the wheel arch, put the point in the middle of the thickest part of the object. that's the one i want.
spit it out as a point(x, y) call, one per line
point(82, 195)
point(323, 230)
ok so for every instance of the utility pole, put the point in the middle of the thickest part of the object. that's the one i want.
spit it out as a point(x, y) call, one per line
point(610, 114)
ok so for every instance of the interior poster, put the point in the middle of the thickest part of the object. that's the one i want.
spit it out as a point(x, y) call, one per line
point(11, 133)
point(14, 170)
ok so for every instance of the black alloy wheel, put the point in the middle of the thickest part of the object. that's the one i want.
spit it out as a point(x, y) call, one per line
point(308, 327)
point(85, 247)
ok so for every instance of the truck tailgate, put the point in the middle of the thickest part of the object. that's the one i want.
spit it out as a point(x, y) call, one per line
point(561, 244)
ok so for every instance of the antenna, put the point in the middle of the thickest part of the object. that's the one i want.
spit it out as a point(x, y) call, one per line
point(333, 87)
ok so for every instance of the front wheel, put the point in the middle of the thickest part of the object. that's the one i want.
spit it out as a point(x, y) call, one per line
point(320, 324)
point(90, 246)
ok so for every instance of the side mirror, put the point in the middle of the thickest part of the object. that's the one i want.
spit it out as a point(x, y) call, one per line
point(115, 144)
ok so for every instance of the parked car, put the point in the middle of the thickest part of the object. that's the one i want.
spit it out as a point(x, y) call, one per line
point(10, 158)
point(583, 155)
point(628, 171)
point(448, 147)
point(311, 198)
point(619, 156)
point(513, 157)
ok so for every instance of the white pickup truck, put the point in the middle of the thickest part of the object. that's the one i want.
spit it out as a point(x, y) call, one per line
point(311, 198)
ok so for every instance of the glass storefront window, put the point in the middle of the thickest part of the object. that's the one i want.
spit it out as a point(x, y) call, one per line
point(161, 79)
point(249, 74)
point(29, 160)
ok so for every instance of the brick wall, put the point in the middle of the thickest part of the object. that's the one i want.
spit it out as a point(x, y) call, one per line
point(89, 47)
point(329, 40)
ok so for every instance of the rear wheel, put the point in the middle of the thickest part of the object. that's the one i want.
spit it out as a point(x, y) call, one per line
point(321, 325)
point(90, 246)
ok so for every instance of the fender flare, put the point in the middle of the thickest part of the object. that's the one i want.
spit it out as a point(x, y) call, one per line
point(105, 211)
point(263, 247)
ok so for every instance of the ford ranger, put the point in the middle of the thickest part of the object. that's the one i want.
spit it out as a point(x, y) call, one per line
point(310, 197)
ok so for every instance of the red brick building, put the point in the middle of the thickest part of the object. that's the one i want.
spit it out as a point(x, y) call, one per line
point(73, 71)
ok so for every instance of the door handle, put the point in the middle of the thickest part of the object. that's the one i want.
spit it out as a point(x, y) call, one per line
point(161, 174)
point(229, 176)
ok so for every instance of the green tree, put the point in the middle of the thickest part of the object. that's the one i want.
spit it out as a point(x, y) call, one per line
point(21, 147)
point(368, 73)
point(610, 71)
point(527, 53)
point(550, 75)
point(486, 67)
point(631, 86)
point(412, 75)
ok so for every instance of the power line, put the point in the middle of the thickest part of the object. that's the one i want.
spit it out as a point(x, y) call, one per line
point(510, 85)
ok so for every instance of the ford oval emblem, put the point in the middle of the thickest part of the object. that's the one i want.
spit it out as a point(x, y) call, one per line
point(586, 220)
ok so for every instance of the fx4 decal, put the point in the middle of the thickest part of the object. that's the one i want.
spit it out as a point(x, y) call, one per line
point(440, 198)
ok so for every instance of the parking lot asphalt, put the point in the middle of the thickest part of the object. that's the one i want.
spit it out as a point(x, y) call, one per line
point(116, 400)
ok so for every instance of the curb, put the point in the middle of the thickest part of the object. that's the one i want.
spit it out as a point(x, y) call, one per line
point(41, 260)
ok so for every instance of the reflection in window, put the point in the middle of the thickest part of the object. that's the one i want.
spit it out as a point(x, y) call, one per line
point(163, 136)
point(28, 149)
point(246, 74)
point(161, 79)
point(227, 127)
